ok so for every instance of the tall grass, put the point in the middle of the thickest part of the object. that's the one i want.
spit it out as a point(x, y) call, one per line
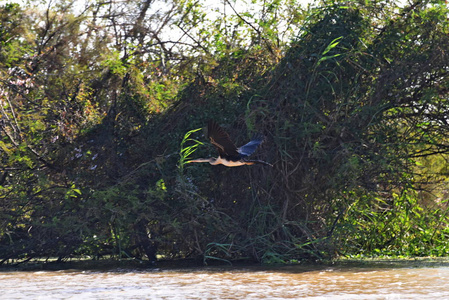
point(186, 151)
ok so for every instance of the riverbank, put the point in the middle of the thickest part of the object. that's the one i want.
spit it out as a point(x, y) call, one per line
point(111, 264)
point(349, 279)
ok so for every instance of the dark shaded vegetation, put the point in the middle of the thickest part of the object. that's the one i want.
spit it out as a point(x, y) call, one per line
point(95, 106)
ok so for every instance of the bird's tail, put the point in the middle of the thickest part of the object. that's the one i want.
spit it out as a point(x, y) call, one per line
point(261, 162)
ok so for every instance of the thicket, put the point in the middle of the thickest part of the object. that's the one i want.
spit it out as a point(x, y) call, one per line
point(101, 106)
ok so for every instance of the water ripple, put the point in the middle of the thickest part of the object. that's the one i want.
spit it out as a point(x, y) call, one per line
point(249, 283)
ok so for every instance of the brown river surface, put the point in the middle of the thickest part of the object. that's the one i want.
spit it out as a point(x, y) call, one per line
point(379, 280)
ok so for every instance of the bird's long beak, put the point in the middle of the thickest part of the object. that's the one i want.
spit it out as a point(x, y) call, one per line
point(198, 160)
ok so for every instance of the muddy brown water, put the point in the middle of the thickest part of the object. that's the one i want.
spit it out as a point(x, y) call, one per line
point(384, 280)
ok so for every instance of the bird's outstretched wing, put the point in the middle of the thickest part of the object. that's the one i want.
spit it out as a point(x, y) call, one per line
point(249, 148)
point(220, 139)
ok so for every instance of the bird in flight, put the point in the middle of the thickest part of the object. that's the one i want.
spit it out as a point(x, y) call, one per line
point(228, 154)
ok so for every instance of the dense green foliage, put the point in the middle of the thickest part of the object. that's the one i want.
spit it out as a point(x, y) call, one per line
point(101, 107)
